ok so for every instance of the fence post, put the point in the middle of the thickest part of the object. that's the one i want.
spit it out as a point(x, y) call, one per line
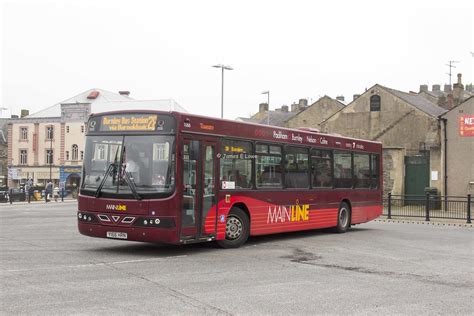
point(427, 207)
point(389, 216)
point(469, 209)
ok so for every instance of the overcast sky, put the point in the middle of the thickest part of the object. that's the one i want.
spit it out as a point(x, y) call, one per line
point(53, 50)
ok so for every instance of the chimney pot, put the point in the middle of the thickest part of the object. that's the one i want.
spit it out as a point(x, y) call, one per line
point(24, 113)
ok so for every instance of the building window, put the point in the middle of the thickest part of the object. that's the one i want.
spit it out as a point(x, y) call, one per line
point(374, 103)
point(296, 167)
point(268, 166)
point(82, 128)
point(23, 133)
point(50, 132)
point(67, 129)
point(49, 156)
point(74, 152)
point(82, 155)
point(67, 155)
point(23, 157)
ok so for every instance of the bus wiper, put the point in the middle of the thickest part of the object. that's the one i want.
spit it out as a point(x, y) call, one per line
point(101, 185)
point(132, 185)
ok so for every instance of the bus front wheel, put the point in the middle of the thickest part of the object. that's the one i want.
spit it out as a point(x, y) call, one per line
point(343, 218)
point(237, 229)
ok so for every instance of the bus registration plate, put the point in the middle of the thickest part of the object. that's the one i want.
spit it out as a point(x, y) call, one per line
point(117, 235)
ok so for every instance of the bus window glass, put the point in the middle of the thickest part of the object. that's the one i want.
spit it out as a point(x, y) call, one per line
point(321, 164)
point(236, 165)
point(361, 171)
point(374, 179)
point(268, 167)
point(342, 170)
point(296, 167)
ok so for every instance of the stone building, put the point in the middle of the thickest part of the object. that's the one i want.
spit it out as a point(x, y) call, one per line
point(407, 124)
point(49, 144)
point(458, 149)
point(3, 152)
point(314, 114)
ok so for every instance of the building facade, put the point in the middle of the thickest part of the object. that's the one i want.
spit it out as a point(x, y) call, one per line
point(41, 147)
point(316, 113)
point(407, 124)
point(458, 144)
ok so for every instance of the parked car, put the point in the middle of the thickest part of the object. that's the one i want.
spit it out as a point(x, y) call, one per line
point(3, 195)
point(16, 195)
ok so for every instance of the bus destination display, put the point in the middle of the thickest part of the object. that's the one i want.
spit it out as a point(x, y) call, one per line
point(131, 123)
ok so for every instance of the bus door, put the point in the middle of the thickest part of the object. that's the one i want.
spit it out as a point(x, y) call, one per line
point(199, 207)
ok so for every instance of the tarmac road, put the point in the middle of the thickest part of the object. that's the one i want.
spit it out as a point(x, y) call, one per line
point(47, 267)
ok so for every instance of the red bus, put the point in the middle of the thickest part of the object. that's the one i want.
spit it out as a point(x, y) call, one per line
point(179, 178)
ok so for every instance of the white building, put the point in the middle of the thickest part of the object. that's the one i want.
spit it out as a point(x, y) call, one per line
point(49, 144)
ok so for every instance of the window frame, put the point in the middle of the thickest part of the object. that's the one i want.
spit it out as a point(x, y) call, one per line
point(374, 107)
point(268, 154)
point(308, 173)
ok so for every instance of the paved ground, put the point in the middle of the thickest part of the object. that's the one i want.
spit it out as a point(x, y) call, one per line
point(46, 267)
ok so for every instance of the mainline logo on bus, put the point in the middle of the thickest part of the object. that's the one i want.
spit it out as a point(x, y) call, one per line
point(292, 213)
point(119, 207)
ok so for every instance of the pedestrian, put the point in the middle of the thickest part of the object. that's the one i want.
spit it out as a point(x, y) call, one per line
point(49, 190)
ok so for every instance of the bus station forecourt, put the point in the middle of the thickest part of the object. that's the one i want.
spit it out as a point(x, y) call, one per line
point(379, 267)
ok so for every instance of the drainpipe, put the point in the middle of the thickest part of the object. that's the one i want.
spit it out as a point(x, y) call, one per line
point(445, 123)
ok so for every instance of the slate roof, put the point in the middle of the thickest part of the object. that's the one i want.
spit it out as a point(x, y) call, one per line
point(419, 102)
point(277, 118)
point(109, 101)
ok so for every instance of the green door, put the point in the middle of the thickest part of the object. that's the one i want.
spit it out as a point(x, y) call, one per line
point(417, 174)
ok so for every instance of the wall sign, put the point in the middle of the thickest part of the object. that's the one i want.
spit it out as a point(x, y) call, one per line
point(466, 125)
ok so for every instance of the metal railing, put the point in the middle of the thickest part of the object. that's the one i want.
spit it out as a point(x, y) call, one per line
point(428, 206)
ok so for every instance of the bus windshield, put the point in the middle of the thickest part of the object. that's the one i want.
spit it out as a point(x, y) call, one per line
point(124, 164)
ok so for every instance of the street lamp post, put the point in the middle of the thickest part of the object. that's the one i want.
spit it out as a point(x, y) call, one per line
point(222, 67)
point(268, 104)
point(50, 135)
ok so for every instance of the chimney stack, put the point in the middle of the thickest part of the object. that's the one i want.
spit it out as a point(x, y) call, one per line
point(355, 97)
point(424, 87)
point(284, 108)
point(436, 87)
point(302, 103)
point(24, 113)
point(125, 93)
point(458, 90)
point(447, 88)
point(340, 98)
point(262, 107)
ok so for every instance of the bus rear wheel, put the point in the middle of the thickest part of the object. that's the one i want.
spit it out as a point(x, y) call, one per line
point(237, 229)
point(343, 218)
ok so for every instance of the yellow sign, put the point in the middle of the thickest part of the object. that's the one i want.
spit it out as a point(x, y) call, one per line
point(233, 149)
point(292, 213)
point(129, 123)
